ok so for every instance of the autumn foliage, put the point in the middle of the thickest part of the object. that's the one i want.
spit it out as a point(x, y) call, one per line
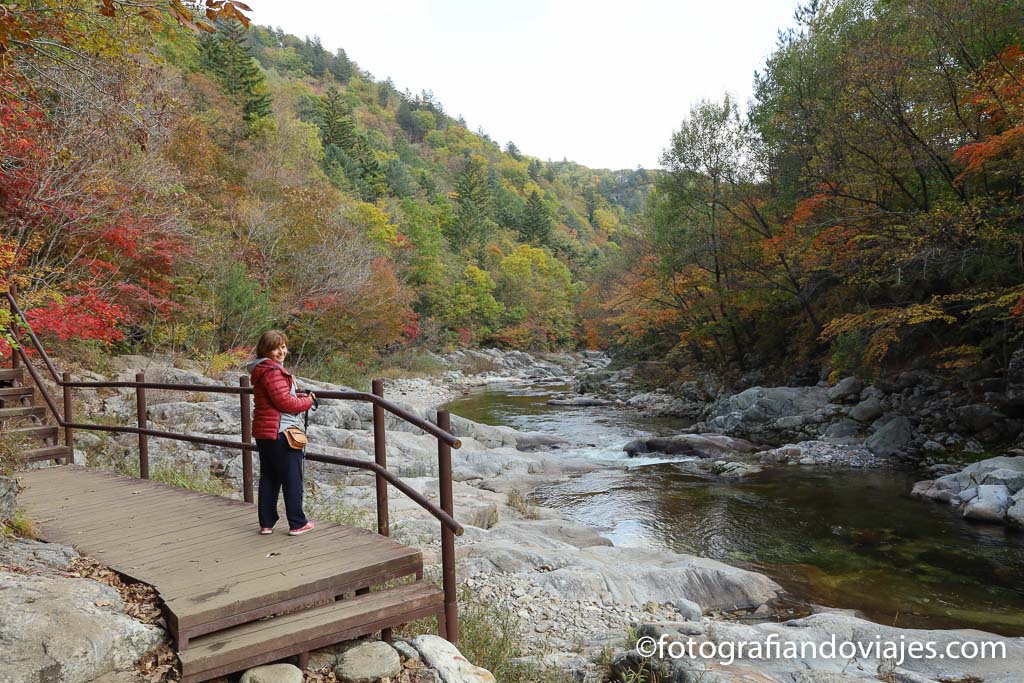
point(866, 210)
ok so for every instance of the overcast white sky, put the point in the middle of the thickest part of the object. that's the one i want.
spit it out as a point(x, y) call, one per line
point(598, 82)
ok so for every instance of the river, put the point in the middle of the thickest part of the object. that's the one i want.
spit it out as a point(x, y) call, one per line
point(839, 537)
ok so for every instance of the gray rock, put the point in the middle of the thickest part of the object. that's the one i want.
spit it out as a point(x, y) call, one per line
point(620, 575)
point(689, 610)
point(66, 630)
point(847, 389)
point(368, 663)
point(698, 445)
point(451, 666)
point(835, 668)
point(8, 498)
point(868, 410)
point(1015, 378)
point(754, 410)
point(1015, 515)
point(405, 650)
point(842, 429)
point(891, 439)
point(273, 673)
point(990, 505)
point(977, 417)
point(47, 558)
point(580, 401)
point(535, 441)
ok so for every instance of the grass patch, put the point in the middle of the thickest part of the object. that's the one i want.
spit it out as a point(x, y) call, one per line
point(479, 365)
point(518, 502)
point(11, 448)
point(490, 636)
point(357, 373)
point(21, 525)
point(183, 475)
point(331, 509)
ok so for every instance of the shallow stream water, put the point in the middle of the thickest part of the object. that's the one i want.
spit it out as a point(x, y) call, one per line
point(839, 537)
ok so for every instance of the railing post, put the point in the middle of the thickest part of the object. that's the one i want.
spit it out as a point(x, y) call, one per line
point(246, 406)
point(380, 454)
point(140, 395)
point(15, 360)
point(69, 434)
point(444, 474)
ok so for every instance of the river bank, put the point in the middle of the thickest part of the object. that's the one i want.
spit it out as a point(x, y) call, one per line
point(574, 592)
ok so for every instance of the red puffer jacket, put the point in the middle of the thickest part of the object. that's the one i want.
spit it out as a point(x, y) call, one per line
point(272, 386)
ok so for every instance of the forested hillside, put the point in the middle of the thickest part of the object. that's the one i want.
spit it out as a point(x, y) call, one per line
point(162, 188)
point(866, 211)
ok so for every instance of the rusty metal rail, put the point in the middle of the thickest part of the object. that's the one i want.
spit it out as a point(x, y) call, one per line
point(441, 431)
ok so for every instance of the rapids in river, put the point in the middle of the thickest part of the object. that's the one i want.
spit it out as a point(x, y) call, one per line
point(845, 538)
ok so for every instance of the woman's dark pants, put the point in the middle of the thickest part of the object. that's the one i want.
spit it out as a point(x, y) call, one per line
point(280, 466)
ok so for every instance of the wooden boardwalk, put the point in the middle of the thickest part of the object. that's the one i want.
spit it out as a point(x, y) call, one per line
point(219, 579)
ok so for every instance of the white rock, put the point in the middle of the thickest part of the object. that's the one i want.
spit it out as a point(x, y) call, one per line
point(990, 505)
point(66, 630)
point(368, 663)
point(451, 666)
point(273, 673)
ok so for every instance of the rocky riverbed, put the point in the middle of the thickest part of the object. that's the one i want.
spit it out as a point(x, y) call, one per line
point(575, 593)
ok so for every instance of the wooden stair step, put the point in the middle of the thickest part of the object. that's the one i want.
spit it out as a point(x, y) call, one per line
point(259, 642)
point(39, 432)
point(45, 453)
point(26, 411)
point(16, 393)
point(11, 374)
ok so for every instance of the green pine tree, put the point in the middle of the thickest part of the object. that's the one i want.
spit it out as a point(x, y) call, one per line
point(536, 222)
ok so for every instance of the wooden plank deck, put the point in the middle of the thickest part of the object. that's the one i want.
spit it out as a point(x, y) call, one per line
point(213, 570)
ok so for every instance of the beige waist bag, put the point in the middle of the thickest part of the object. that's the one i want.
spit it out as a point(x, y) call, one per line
point(296, 438)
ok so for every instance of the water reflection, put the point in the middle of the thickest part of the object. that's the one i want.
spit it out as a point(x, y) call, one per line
point(845, 538)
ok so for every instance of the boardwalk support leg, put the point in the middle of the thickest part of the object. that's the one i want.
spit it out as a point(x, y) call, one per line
point(69, 434)
point(246, 408)
point(444, 473)
point(381, 456)
point(140, 400)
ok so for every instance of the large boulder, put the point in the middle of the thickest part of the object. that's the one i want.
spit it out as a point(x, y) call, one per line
point(977, 417)
point(879, 653)
point(989, 505)
point(698, 445)
point(847, 390)
point(74, 631)
point(618, 575)
point(1005, 470)
point(771, 414)
point(990, 490)
point(891, 438)
point(868, 410)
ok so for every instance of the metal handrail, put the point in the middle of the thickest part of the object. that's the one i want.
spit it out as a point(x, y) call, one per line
point(387, 405)
point(450, 528)
point(32, 335)
point(447, 520)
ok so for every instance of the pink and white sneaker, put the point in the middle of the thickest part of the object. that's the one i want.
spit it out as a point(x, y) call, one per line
point(301, 530)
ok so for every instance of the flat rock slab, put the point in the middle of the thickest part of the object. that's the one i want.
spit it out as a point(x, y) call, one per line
point(66, 630)
point(368, 663)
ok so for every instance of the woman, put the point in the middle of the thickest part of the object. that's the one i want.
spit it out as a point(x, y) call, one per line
point(278, 406)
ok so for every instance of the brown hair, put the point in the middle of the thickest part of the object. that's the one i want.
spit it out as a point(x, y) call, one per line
point(270, 340)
